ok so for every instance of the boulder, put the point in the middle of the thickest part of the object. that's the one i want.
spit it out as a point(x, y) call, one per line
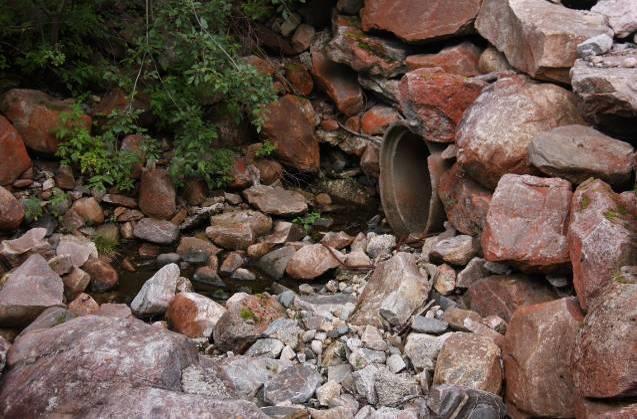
point(79, 249)
point(193, 315)
point(436, 101)
point(157, 194)
point(418, 21)
point(275, 200)
point(527, 223)
point(289, 124)
point(364, 53)
point(604, 360)
point(36, 116)
point(447, 401)
point(338, 81)
point(246, 318)
point(550, 46)
point(312, 261)
point(248, 374)
point(11, 212)
point(422, 349)
point(259, 223)
point(621, 14)
point(469, 360)
point(605, 86)
point(393, 389)
point(103, 276)
point(600, 238)
point(157, 292)
point(577, 152)
point(65, 359)
point(295, 384)
point(300, 78)
point(466, 202)
point(15, 159)
point(595, 409)
point(275, 263)
point(33, 241)
point(28, 291)
point(537, 351)
point(396, 289)
point(502, 295)
point(461, 59)
point(156, 231)
point(496, 130)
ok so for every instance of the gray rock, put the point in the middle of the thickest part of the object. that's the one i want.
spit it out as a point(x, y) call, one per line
point(596, 45)
point(286, 298)
point(248, 374)
point(362, 357)
point(622, 15)
point(396, 363)
point(243, 274)
point(270, 348)
point(474, 271)
point(197, 379)
point(30, 289)
point(17, 250)
point(432, 326)
point(447, 401)
point(78, 248)
point(379, 245)
point(393, 389)
point(157, 292)
point(422, 350)
point(372, 339)
point(4, 349)
point(285, 330)
point(168, 258)
point(295, 384)
point(156, 231)
point(363, 382)
point(458, 250)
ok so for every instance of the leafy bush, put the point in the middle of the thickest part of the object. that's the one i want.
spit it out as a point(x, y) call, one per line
point(33, 209)
point(267, 149)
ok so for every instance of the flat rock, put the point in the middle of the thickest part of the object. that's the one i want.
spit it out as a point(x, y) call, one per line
point(469, 360)
point(417, 21)
point(275, 200)
point(157, 292)
point(461, 59)
point(295, 384)
point(600, 238)
point(396, 289)
point(156, 231)
point(312, 261)
point(527, 222)
point(193, 315)
point(421, 324)
point(537, 350)
point(30, 289)
point(502, 295)
point(551, 45)
point(232, 236)
point(577, 152)
point(495, 132)
point(604, 360)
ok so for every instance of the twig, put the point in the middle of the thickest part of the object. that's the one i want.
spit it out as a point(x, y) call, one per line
point(375, 140)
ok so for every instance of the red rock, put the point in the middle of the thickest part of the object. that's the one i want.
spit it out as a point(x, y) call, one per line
point(117, 100)
point(157, 194)
point(604, 359)
point(241, 174)
point(469, 360)
point(527, 221)
point(461, 59)
point(600, 238)
point(259, 223)
point(300, 79)
point(103, 276)
point(269, 170)
point(75, 283)
point(339, 82)
point(370, 161)
point(195, 191)
point(289, 124)
point(437, 101)
point(496, 130)
point(502, 295)
point(302, 38)
point(90, 210)
point(537, 351)
point(11, 212)
point(36, 116)
point(263, 66)
point(193, 315)
point(276, 200)
point(312, 261)
point(231, 237)
point(595, 409)
point(15, 159)
point(465, 201)
point(377, 119)
point(421, 20)
point(83, 305)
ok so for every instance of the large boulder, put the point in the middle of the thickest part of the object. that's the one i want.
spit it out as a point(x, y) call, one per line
point(466, 202)
point(496, 130)
point(537, 351)
point(621, 14)
point(15, 159)
point(604, 360)
point(37, 116)
point(312, 261)
point(527, 222)
point(156, 293)
point(502, 295)
point(448, 401)
point(550, 46)
point(365, 53)
point(157, 194)
point(600, 238)
point(418, 20)
point(459, 59)
point(437, 101)
point(11, 212)
point(605, 86)
point(469, 360)
point(577, 152)
point(396, 289)
point(289, 123)
point(193, 315)
point(30, 289)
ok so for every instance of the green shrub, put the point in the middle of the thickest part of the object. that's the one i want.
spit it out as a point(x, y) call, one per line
point(33, 209)
point(308, 220)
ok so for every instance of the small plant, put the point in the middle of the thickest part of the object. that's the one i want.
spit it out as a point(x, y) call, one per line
point(308, 220)
point(33, 209)
point(59, 202)
point(247, 314)
point(267, 149)
point(106, 246)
